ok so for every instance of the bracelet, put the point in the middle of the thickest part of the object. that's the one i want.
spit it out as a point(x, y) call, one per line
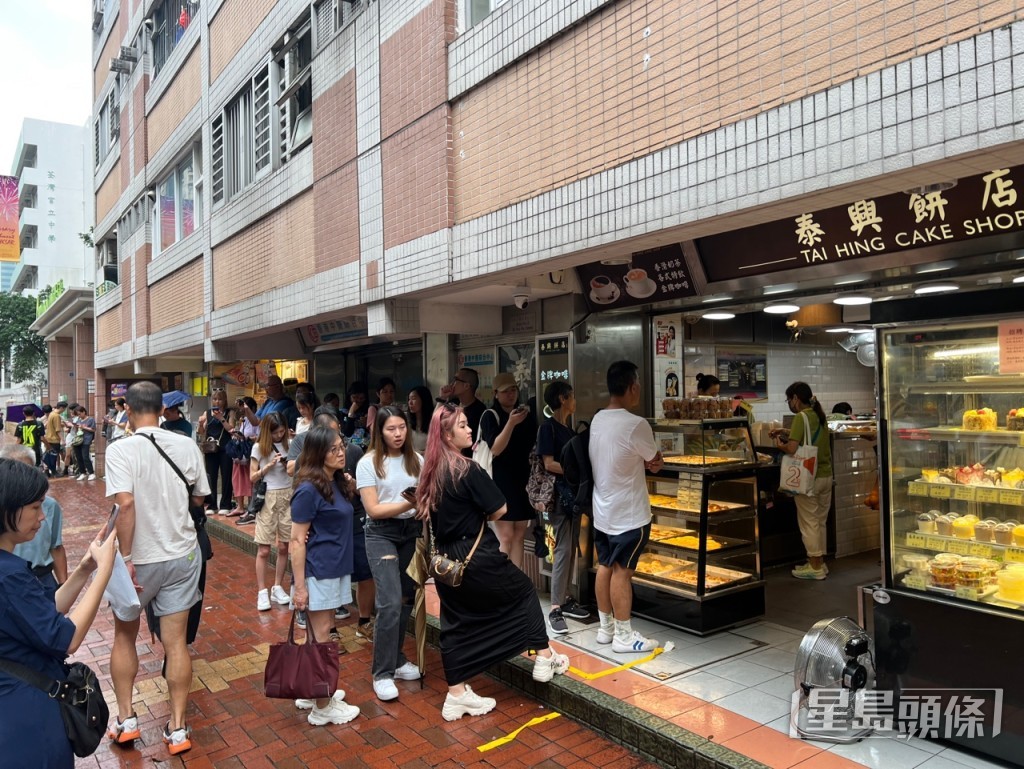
point(126, 558)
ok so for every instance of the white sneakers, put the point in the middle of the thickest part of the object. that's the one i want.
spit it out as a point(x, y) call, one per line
point(336, 712)
point(277, 595)
point(469, 704)
point(92, 477)
point(339, 696)
point(546, 668)
point(634, 643)
point(408, 672)
point(605, 636)
point(385, 689)
point(263, 600)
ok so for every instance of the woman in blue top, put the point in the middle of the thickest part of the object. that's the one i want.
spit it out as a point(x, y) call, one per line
point(33, 631)
point(321, 549)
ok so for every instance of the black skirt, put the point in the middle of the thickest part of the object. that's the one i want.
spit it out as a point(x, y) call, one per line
point(492, 616)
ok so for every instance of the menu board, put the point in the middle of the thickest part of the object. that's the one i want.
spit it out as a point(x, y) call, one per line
point(1011, 347)
point(650, 276)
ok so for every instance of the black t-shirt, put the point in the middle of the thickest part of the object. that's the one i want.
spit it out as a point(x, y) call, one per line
point(30, 431)
point(512, 468)
point(464, 505)
point(551, 439)
point(473, 412)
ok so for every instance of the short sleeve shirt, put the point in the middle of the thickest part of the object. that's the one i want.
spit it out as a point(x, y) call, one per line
point(277, 477)
point(53, 425)
point(390, 487)
point(464, 505)
point(551, 439)
point(37, 551)
point(329, 545)
point(796, 433)
point(620, 443)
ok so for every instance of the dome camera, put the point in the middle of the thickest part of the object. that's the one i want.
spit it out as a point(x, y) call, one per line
point(522, 298)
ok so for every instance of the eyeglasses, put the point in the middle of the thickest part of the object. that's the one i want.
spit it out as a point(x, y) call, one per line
point(462, 381)
point(337, 450)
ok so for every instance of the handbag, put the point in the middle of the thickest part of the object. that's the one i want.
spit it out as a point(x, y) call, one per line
point(481, 449)
point(198, 512)
point(257, 498)
point(301, 671)
point(540, 488)
point(449, 571)
point(82, 707)
point(799, 468)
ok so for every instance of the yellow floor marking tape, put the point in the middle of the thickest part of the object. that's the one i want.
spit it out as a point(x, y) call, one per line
point(512, 735)
point(601, 674)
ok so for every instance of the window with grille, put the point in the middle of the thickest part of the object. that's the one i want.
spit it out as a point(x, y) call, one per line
point(107, 127)
point(171, 18)
point(331, 16)
point(293, 58)
point(177, 207)
point(241, 138)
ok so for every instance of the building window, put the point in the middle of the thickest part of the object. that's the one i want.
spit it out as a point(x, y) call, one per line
point(177, 208)
point(331, 16)
point(293, 57)
point(107, 127)
point(477, 10)
point(171, 18)
point(106, 263)
point(241, 138)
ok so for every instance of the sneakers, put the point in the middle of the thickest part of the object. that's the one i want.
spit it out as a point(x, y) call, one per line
point(300, 619)
point(338, 696)
point(91, 477)
point(277, 595)
point(335, 637)
point(336, 712)
point(365, 629)
point(557, 622)
point(605, 636)
point(634, 643)
point(385, 689)
point(342, 613)
point(410, 671)
point(573, 610)
point(809, 572)
point(81, 477)
point(179, 740)
point(246, 519)
point(468, 704)
point(546, 668)
point(263, 600)
point(124, 731)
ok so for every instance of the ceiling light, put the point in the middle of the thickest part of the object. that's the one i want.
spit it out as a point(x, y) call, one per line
point(782, 288)
point(1019, 279)
point(781, 309)
point(924, 269)
point(965, 352)
point(718, 316)
point(851, 279)
point(711, 299)
point(839, 330)
point(936, 288)
point(852, 299)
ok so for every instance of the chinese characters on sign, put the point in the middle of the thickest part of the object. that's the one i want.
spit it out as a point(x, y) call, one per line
point(51, 215)
point(650, 276)
point(552, 361)
point(1011, 347)
point(975, 207)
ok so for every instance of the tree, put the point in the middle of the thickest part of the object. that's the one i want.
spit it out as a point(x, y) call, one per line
point(23, 352)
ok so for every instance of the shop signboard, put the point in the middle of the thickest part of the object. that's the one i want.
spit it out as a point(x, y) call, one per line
point(553, 361)
point(976, 207)
point(10, 250)
point(655, 275)
point(331, 331)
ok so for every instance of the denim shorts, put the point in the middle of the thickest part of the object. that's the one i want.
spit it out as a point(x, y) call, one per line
point(327, 594)
point(622, 549)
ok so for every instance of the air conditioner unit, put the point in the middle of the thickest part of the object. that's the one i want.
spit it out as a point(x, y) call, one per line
point(128, 53)
point(97, 19)
point(120, 65)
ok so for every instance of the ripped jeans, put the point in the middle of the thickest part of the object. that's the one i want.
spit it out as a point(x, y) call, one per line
point(390, 544)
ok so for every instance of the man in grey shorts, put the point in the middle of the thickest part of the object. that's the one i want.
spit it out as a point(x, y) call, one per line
point(157, 539)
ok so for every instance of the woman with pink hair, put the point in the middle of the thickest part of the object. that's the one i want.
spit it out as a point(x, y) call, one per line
point(494, 614)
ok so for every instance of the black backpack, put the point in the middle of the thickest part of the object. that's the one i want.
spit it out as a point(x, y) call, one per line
point(577, 471)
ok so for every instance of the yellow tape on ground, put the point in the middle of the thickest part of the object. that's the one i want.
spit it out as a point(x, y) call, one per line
point(601, 674)
point(512, 735)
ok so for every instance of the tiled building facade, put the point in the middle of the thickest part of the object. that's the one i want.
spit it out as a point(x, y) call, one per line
point(291, 161)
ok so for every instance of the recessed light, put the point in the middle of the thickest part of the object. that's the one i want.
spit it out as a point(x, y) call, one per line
point(852, 299)
point(851, 279)
point(781, 309)
point(1019, 279)
point(936, 288)
point(712, 299)
point(839, 330)
point(718, 316)
point(924, 269)
point(782, 288)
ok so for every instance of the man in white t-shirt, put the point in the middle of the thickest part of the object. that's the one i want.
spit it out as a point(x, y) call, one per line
point(622, 449)
point(157, 539)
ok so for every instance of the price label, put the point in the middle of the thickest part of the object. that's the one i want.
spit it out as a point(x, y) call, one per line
point(981, 551)
point(1011, 497)
point(915, 582)
point(959, 546)
point(935, 543)
point(917, 489)
point(963, 493)
point(940, 491)
point(967, 593)
point(1014, 555)
point(915, 539)
point(986, 494)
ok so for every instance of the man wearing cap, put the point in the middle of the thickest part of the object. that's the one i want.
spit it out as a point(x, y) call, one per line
point(462, 390)
point(173, 418)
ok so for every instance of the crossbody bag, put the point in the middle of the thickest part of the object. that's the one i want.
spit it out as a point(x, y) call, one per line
point(198, 512)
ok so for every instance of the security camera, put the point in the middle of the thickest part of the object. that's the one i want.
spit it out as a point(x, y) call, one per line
point(522, 298)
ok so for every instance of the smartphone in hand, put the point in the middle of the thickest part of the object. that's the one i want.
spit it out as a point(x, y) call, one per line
point(111, 521)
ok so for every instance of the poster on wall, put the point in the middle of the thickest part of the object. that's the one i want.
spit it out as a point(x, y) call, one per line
point(668, 365)
point(10, 246)
point(517, 360)
point(481, 360)
point(743, 372)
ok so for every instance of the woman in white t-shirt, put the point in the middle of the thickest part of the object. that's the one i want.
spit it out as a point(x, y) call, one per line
point(390, 467)
point(274, 520)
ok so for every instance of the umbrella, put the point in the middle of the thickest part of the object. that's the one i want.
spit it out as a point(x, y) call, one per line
point(175, 398)
point(417, 570)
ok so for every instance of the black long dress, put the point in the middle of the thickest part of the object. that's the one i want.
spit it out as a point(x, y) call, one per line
point(494, 614)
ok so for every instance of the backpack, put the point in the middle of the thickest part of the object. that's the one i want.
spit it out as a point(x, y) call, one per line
point(577, 470)
point(540, 488)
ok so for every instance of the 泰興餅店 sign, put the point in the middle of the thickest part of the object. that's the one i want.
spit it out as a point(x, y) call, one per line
point(978, 206)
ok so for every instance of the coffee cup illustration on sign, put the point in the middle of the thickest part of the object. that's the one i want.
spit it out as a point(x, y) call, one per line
point(638, 285)
point(603, 290)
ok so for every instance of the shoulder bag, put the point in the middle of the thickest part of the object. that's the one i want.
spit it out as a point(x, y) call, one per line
point(481, 449)
point(540, 488)
point(449, 571)
point(301, 671)
point(198, 512)
point(799, 468)
point(82, 707)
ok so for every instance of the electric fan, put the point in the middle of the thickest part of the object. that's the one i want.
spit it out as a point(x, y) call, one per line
point(835, 655)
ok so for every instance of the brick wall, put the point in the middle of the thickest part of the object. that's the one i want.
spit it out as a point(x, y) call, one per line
point(415, 168)
point(234, 24)
point(177, 101)
point(110, 51)
point(337, 222)
point(60, 352)
point(414, 68)
point(334, 126)
point(109, 192)
point(108, 329)
point(275, 251)
point(636, 77)
point(177, 298)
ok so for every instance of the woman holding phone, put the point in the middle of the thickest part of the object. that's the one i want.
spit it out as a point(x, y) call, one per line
point(274, 520)
point(215, 426)
point(389, 468)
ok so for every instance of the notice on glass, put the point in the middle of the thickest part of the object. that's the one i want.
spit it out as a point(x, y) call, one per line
point(1011, 347)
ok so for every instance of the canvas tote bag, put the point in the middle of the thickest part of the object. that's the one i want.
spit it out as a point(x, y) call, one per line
point(799, 468)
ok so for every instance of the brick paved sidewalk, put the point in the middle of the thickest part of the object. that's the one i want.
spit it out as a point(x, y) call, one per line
point(236, 726)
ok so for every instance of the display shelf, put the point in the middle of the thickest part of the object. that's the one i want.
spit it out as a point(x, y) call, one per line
point(997, 437)
point(941, 543)
point(724, 544)
point(992, 495)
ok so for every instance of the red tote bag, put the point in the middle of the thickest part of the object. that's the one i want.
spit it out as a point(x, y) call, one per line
point(306, 671)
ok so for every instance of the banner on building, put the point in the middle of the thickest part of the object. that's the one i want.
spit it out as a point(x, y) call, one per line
point(10, 248)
